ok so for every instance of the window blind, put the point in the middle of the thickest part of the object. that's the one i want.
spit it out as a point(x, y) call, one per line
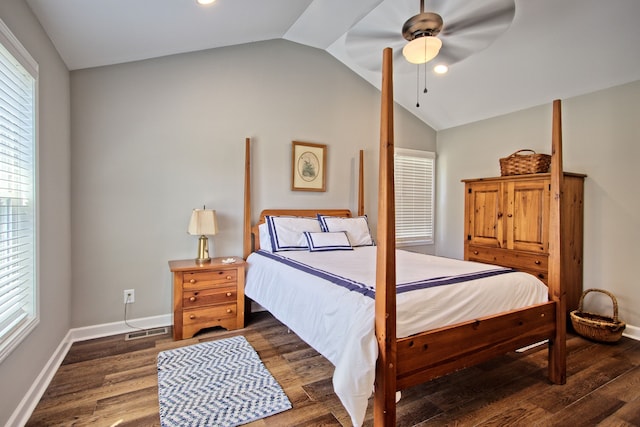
point(18, 308)
point(414, 184)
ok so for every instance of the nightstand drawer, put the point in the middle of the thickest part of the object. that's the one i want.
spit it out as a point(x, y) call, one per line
point(217, 295)
point(208, 315)
point(206, 279)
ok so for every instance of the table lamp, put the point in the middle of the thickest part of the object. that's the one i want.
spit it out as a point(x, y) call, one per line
point(203, 223)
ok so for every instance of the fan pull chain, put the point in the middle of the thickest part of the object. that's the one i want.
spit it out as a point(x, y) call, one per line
point(425, 79)
point(418, 79)
point(425, 69)
point(418, 86)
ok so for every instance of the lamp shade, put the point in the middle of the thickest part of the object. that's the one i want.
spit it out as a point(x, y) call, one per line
point(203, 223)
point(422, 49)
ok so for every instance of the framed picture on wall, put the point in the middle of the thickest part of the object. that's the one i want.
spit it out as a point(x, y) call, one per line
point(308, 166)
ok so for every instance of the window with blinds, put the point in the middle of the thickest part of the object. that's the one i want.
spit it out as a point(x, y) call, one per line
point(414, 195)
point(18, 303)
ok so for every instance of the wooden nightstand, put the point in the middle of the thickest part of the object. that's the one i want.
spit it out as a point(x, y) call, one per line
point(206, 295)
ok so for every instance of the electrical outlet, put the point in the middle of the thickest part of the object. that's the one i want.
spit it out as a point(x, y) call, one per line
point(129, 296)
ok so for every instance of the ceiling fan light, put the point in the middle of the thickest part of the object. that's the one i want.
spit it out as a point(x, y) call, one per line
point(422, 49)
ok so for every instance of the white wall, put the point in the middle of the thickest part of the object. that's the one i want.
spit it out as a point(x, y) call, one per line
point(601, 138)
point(152, 140)
point(19, 370)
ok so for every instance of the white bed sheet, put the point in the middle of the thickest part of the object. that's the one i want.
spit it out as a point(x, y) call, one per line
point(339, 323)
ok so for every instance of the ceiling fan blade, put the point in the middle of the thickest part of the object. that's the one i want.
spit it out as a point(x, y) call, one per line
point(496, 16)
point(381, 28)
point(451, 54)
point(378, 35)
point(368, 53)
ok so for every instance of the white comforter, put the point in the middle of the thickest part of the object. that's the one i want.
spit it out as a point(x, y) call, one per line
point(339, 323)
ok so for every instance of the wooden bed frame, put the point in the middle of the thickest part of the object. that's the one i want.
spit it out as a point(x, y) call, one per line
point(419, 358)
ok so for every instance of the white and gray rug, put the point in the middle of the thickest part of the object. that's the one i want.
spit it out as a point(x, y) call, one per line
point(216, 383)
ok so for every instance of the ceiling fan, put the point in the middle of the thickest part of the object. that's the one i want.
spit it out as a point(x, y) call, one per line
point(449, 32)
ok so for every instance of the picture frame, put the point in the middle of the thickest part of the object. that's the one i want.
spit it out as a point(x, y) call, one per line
point(308, 166)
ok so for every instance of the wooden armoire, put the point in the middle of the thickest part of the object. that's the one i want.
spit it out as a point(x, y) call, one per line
point(507, 224)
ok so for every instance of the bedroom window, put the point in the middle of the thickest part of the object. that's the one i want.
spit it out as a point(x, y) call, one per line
point(18, 286)
point(414, 184)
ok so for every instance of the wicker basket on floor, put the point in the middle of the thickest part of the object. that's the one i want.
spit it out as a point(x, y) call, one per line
point(595, 326)
point(521, 164)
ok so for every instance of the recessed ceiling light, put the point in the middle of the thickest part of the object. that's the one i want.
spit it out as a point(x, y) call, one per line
point(204, 2)
point(440, 69)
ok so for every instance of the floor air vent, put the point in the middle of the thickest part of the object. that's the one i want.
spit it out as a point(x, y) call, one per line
point(145, 333)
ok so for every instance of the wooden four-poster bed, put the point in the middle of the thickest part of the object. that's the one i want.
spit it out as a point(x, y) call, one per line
point(424, 355)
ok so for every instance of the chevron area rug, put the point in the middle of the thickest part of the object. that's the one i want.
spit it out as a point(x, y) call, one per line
point(217, 383)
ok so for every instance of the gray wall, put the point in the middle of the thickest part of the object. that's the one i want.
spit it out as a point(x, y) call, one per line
point(19, 370)
point(152, 140)
point(601, 138)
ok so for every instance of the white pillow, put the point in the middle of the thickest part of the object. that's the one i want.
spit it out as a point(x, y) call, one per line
point(357, 228)
point(325, 241)
point(286, 232)
point(265, 238)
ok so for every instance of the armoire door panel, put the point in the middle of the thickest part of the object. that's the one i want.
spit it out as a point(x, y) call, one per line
point(527, 216)
point(485, 213)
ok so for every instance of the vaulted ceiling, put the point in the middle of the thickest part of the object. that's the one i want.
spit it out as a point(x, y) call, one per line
point(551, 49)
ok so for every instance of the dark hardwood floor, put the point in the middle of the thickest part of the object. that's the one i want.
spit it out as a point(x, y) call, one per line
point(113, 382)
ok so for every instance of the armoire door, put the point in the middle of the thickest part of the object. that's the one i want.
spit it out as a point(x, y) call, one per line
point(527, 215)
point(484, 216)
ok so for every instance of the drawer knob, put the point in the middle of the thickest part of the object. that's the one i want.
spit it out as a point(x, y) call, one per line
point(228, 277)
point(229, 310)
point(192, 299)
point(192, 281)
point(537, 262)
point(229, 294)
point(192, 316)
point(476, 252)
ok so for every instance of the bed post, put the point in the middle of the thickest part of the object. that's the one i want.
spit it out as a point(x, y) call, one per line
point(385, 386)
point(558, 345)
point(247, 199)
point(361, 184)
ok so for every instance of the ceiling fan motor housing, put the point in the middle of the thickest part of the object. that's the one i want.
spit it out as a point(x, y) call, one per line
point(421, 25)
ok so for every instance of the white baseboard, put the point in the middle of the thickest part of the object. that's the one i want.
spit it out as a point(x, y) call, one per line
point(632, 332)
point(115, 328)
point(29, 402)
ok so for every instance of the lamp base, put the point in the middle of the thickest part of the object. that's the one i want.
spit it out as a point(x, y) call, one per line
point(203, 250)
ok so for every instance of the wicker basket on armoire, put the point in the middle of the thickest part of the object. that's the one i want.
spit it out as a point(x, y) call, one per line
point(522, 164)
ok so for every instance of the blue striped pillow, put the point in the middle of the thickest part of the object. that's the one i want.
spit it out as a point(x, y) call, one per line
point(286, 232)
point(357, 228)
point(327, 241)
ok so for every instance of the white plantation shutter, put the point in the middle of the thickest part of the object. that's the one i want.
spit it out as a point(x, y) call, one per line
point(18, 308)
point(414, 184)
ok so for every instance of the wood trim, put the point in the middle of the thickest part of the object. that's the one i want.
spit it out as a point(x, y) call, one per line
point(527, 177)
point(384, 411)
point(557, 292)
point(361, 184)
